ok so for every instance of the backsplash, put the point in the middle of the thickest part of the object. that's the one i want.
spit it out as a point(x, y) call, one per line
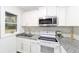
point(66, 30)
point(35, 29)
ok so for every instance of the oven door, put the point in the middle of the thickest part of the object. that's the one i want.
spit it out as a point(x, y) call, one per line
point(46, 47)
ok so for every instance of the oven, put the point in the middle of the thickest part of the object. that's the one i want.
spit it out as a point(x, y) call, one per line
point(49, 45)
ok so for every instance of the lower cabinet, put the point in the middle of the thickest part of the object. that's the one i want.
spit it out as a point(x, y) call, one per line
point(26, 45)
point(35, 47)
point(32, 46)
point(19, 44)
point(23, 45)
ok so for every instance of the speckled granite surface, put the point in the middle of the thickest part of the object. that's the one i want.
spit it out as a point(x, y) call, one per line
point(34, 37)
point(71, 46)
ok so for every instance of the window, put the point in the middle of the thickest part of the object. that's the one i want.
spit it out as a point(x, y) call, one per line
point(10, 23)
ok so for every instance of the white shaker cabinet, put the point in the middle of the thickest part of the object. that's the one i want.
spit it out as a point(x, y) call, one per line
point(26, 45)
point(60, 12)
point(23, 45)
point(19, 44)
point(72, 16)
point(42, 12)
point(51, 11)
point(68, 16)
point(30, 18)
point(61, 16)
point(47, 11)
point(35, 46)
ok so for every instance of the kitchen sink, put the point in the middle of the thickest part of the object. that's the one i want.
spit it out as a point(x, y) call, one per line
point(25, 35)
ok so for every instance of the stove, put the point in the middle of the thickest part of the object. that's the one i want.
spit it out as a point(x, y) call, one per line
point(48, 44)
point(48, 38)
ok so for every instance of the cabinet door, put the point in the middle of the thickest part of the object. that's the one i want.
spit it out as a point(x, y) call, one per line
point(47, 11)
point(26, 46)
point(42, 12)
point(30, 18)
point(73, 16)
point(19, 44)
point(51, 11)
point(35, 47)
point(27, 18)
point(35, 21)
point(61, 16)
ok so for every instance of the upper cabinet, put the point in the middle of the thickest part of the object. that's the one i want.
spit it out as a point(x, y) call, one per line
point(47, 11)
point(61, 16)
point(72, 16)
point(66, 16)
point(51, 11)
point(42, 11)
point(30, 18)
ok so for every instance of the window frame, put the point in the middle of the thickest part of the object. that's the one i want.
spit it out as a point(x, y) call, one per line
point(11, 22)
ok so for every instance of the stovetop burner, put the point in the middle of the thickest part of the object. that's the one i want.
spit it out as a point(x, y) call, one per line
point(48, 39)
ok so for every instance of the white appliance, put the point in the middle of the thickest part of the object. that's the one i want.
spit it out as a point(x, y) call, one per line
point(48, 21)
point(49, 44)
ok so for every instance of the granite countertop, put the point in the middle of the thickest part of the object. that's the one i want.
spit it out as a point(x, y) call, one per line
point(34, 37)
point(70, 46)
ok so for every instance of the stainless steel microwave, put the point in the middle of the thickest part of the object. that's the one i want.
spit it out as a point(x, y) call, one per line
point(48, 21)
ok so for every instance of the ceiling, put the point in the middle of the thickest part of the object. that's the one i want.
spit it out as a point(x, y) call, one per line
point(28, 8)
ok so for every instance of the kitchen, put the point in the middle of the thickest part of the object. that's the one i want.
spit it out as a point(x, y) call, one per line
point(39, 29)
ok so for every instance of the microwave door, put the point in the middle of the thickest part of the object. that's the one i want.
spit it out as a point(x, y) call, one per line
point(45, 22)
point(48, 21)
